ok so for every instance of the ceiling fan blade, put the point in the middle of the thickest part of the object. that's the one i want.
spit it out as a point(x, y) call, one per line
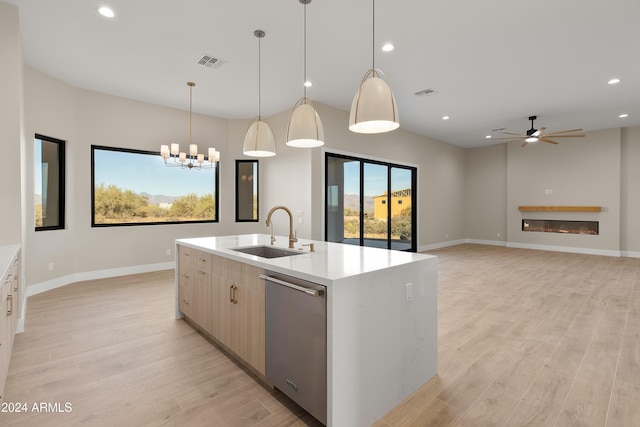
point(524, 144)
point(516, 134)
point(548, 140)
point(507, 137)
point(564, 131)
point(564, 136)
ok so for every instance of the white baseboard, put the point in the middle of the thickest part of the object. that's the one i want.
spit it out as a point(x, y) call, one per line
point(93, 275)
point(440, 245)
point(487, 242)
point(630, 254)
point(570, 249)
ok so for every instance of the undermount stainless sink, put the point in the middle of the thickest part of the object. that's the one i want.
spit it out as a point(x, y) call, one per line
point(266, 251)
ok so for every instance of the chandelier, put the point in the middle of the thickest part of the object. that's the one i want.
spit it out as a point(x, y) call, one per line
point(173, 157)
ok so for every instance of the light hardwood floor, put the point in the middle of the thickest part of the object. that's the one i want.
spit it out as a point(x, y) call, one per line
point(525, 338)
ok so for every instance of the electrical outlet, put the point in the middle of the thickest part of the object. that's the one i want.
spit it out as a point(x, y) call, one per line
point(409, 291)
point(498, 234)
point(50, 266)
point(446, 235)
point(168, 252)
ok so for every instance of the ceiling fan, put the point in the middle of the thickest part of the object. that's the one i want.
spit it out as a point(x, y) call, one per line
point(535, 135)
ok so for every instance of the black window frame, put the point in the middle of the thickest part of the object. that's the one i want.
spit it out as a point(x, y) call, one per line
point(390, 166)
point(134, 224)
point(238, 179)
point(61, 163)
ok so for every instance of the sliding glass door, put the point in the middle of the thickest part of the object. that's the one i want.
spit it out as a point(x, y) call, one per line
point(370, 203)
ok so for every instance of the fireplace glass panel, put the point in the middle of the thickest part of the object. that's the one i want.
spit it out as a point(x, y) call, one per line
point(560, 226)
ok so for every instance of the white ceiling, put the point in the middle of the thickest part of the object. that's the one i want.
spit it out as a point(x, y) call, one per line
point(492, 62)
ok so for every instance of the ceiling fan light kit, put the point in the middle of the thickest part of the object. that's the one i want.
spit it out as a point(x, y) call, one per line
point(539, 135)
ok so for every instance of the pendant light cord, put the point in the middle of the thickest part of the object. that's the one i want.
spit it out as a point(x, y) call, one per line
point(304, 83)
point(373, 36)
point(259, 78)
point(190, 108)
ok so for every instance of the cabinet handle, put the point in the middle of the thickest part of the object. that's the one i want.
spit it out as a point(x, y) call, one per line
point(15, 281)
point(10, 310)
point(233, 299)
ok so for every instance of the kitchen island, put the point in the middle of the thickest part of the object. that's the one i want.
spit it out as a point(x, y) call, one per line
point(381, 314)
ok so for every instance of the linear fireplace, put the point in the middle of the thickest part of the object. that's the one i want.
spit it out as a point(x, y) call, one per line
point(560, 226)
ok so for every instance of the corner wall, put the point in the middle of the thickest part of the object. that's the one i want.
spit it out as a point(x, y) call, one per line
point(599, 170)
point(11, 119)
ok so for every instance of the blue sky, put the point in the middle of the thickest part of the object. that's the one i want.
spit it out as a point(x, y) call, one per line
point(375, 181)
point(147, 173)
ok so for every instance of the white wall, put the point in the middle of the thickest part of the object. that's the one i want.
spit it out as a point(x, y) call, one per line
point(83, 118)
point(486, 188)
point(599, 170)
point(630, 193)
point(293, 178)
point(579, 171)
point(10, 124)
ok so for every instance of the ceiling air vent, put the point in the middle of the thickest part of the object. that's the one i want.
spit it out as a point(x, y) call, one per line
point(426, 92)
point(211, 62)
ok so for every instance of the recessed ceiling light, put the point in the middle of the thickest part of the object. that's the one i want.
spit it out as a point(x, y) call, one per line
point(106, 12)
point(445, 117)
point(614, 81)
point(624, 115)
point(488, 137)
point(388, 47)
point(308, 84)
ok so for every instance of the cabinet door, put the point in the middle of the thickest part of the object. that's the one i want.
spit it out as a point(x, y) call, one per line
point(5, 348)
point(185, 279)
point(249, 319)
point(221, 302)
point(201, 292)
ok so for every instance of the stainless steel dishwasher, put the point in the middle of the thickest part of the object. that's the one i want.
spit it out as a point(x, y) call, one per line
point(296, 341)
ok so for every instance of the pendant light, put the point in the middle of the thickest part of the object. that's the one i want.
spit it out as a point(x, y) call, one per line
point(305, 127)
point(259, 140)
point(374, 108)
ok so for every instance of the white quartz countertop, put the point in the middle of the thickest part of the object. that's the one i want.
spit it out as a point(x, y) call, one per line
point(7, 253)
point(329, 262)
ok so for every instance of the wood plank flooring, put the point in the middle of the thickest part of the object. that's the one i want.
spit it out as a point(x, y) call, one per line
point(525, 338)
point(532, 338)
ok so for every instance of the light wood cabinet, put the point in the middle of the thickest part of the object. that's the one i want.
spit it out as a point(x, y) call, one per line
point(226, 299)
point(185, 279)
point(9, 301)
point(238, 310)
point(194, 286)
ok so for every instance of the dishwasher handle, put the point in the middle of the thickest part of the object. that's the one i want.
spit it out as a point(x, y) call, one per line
point(308, 291)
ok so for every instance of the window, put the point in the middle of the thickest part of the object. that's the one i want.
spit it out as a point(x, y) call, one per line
point(369, 203)
point(49, 183)
point(246, 190)
point(134, 187)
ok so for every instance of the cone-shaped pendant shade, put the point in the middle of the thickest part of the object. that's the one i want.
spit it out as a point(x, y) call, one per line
point(305, 127)
point(374, 108)
point(259, 140)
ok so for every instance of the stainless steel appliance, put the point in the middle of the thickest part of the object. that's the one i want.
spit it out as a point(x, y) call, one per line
point(296, 341)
